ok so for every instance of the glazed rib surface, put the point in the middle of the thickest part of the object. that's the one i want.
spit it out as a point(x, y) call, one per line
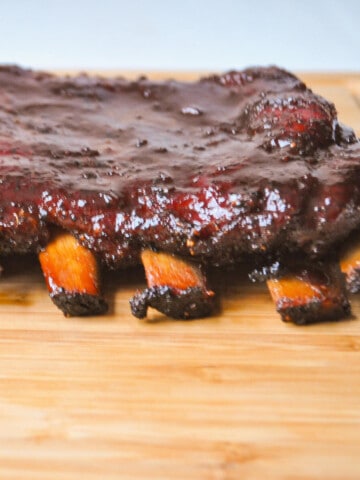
point(232, 165)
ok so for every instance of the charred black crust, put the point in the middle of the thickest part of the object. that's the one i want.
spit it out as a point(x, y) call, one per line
point(314, 312)
point(183, 305)
point(79, 304)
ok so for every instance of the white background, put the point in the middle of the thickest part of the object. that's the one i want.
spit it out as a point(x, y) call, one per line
point(183, 34)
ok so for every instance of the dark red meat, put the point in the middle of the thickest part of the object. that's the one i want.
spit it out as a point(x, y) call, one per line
point(235, 164)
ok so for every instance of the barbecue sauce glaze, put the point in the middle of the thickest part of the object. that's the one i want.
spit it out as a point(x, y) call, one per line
point(248, 162)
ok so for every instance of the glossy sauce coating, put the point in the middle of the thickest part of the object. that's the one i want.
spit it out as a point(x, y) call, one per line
point(235, 164)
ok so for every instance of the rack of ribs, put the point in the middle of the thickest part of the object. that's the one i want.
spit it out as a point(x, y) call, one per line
point(244, 166)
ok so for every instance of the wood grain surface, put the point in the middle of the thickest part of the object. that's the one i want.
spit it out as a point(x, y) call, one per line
point(240, 395)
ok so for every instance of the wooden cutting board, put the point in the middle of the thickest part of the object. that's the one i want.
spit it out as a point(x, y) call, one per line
point(237, 396)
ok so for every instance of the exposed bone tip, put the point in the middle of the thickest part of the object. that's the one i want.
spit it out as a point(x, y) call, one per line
point(72, 276)
point(176, 288)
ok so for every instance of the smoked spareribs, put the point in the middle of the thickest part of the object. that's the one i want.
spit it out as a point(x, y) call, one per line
point(245, 164)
